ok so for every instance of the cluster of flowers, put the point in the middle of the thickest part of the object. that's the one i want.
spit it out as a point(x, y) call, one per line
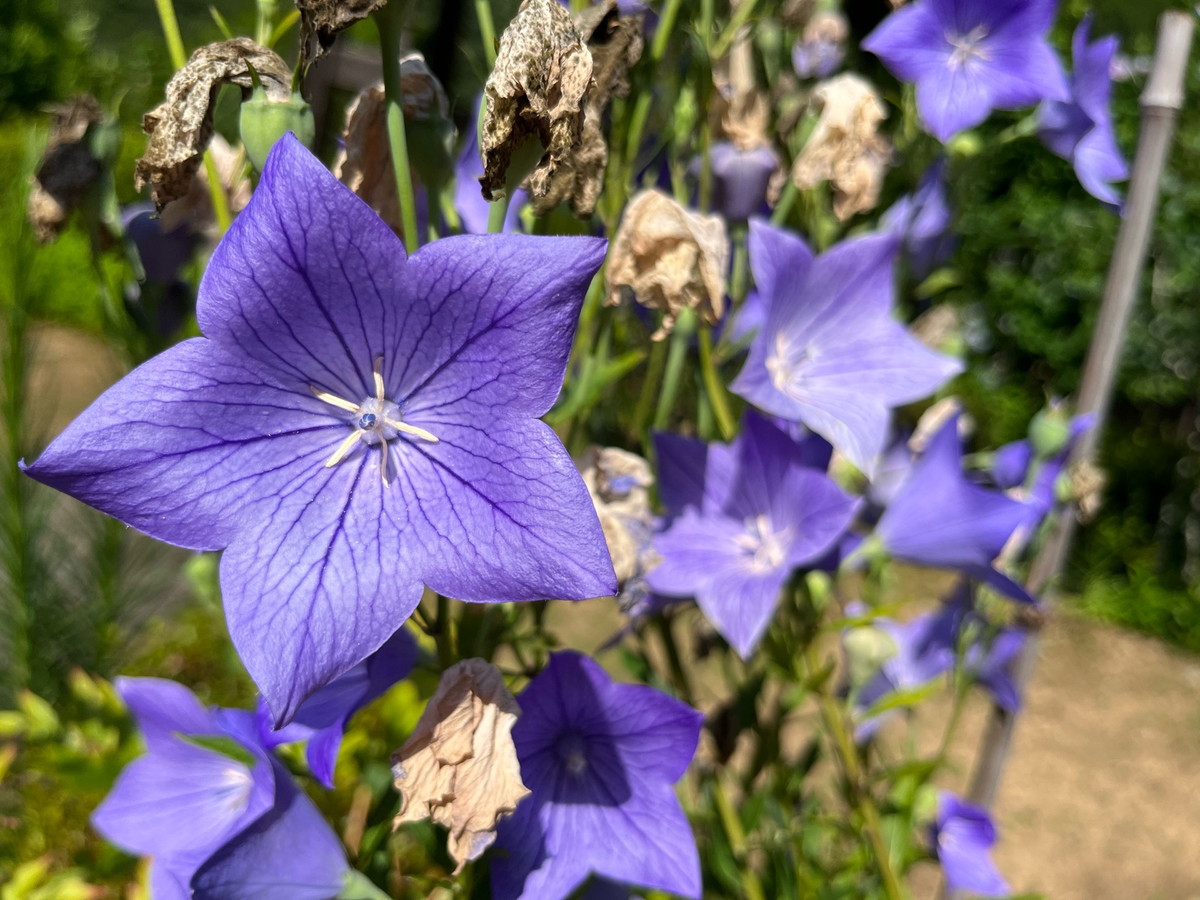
point(356, 425)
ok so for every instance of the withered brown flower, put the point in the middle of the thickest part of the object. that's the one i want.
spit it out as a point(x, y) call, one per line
point(670, 258)
point(459, 768)
point(321, 20)
point(68, 167)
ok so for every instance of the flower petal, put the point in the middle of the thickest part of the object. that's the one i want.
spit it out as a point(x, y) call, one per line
point(164, 708)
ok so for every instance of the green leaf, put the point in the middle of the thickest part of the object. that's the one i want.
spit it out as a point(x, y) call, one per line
point(358, 887)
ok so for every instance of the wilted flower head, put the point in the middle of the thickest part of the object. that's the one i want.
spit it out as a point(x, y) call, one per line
point(321, 20)
point(821, 49)
point(619, 482)
point(181, 127)
point(69, 166)
point(1080, 130)
point(600, 759)
point(751, 514)
point(672, 259)
point(963, 835)
point(459, 768)
point(354, 425)
point(830, 354)
point(845, 148)
point(365, 163)
point(968, 58)
point(537, 90)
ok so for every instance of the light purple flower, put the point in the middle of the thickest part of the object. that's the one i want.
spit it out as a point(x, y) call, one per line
point(963, 835)
point(968, 57)
point(1080, 129)
point(740, 179)
point(922, 222)
point(321, 719)
point(600, 759)
point(939, 518)
point(289, 853)
point(830, 354)
point(755, 514)
point(182, 800)
point(353, 426)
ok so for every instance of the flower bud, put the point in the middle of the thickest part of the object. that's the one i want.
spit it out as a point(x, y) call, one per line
point(867, 648)
point(264, 121)
point(1049, 432)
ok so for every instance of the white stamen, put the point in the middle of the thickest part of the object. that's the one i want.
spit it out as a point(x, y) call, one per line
point(411, 429)
point(343, 448)
point(333, 399)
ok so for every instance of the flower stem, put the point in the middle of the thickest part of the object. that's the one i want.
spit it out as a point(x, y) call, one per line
point(387, 20)
point(487, 31)
point(216, 191)
point(676, 357)
point(714, 387)
point(737, 838)
point(739, 18)
point(650, 387)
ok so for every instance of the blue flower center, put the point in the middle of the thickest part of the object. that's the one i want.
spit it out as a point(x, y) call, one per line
point(967, 47)
point(571, 749)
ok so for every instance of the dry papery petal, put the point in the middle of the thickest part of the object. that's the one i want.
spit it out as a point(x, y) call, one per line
point(459, 768)
point(618, 482)
point(365, 164)
point(615, 43)
point(845, 148)
point(741, 111)
point(321, 20)
point(671, 259)
point(67, 169)
point(536, 90)
point(181, 127)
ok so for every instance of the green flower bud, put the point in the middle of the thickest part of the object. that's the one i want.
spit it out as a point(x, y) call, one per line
point(264, 122)
point(1049, 432)
point(867, 649)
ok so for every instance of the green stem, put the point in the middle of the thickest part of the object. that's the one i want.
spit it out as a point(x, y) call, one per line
point(387, 20)
point(676, 357)
point(714, 388)
point(786, 200)
point(497, 211)
point(741, 265)
point(740, 16)
point(487, 31)
point(737, 839)
point(641, 109)
point(654, 373)
point(679, 676)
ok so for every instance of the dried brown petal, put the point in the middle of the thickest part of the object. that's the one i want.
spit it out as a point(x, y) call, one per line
point(181, 127)
point(796, 13)
point(536, 90)
point(845, 149)
point(459, 768)
point(365, 165)
point(741, 110)
point(618, 482)
point(194, 208)
point(321, 20)
point(1087, 482)
point(67, 169)
point(671, 259)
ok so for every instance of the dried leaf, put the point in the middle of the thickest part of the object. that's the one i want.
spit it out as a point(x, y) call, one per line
point(365, 165)
point(321, 20)
point(181, 127)
point(68, 167)
point(537, 90)
point(845, 149)
point(671, 258)
point(459, 768)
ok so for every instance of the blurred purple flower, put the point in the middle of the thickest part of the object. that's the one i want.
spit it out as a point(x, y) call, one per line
point(1013, 464)
point(963, 835)
point(968, 57)
point(185, 799)
point(939, 518)
point(740, 179)
point(922, 222)
point(321, 719)
point(600, 759)
point(354, 426)
point(830, 354)
point(1080, 129)
point(751, 513)
point(819, 53)
point(473, 210)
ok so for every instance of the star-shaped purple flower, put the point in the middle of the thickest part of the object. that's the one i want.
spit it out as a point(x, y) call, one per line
point(600, 759)
point(963, 835)
point(748, 516)
point(922, 222)
point(830, 354)
point(353, 426)
point(321, 719)
point(968, 57)
point(185, 799)
point(1080, 129)
point(940, 518)
point(741, 178)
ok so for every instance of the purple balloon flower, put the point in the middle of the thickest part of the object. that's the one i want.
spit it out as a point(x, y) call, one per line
point(1080, 129)
point(353, 426)
point(600, 759)
point(741, 178)
point(968, 57)
point(963, 835)
point(939, 518)
point(1014, 463)
point(830, 354)
point(755, 514)
point(185, 798)
point(321, 719)
point(922, 222)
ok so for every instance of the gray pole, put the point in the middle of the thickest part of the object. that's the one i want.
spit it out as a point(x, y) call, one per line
point(1160, 102)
